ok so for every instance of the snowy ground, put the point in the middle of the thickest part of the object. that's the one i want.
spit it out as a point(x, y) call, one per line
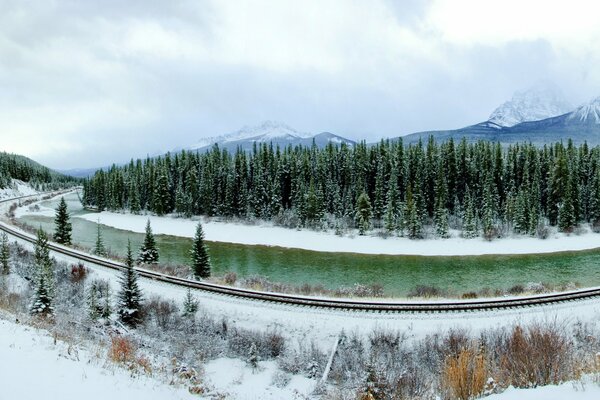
point(584, 390)
point(34, 367)
point(327, 241)
point(18, 188)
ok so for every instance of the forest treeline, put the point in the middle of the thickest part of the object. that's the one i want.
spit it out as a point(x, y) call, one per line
point(417, 190)
point(13, 166)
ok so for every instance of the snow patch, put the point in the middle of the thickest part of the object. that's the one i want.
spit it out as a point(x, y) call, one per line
point(269, 235)
point(35, 367)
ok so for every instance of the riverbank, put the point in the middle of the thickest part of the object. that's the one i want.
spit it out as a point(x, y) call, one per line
point(269, 235)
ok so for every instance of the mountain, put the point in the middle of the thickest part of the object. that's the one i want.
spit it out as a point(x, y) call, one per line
point(537, 103)
point(276, 133)
point(581, 125)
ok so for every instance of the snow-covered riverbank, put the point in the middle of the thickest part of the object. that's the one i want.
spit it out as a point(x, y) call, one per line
point(268, 235)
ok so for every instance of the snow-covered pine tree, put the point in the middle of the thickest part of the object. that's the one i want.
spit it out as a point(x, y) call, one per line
point(363, 213)
point(134, 199)
point(391, 217)
point(4, 254)
point(487, 212)
point(413, 222)
point(148, 251)
point(190, 305)
point(44, 277)
point(43, 262)
point(566, 211)
point(441, 220)
point(99, 248)
point(253, 356)
point(199, 254)
point(42, 300)
point(161, 195)
point(98, 300)
point(62, 234)
point(470, 219)
point(130, 295)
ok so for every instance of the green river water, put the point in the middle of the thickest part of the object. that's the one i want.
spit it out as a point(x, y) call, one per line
point(398, 274)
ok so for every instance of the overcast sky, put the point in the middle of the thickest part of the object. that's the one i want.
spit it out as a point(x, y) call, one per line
point(88, 83)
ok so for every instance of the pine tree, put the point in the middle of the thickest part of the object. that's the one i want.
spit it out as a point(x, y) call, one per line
point(566, 211)
point(413, 221)
point(98, 300)
point(470, 219)
point(190, 305)
point(43, 262)
point(42, 301)
point(4, 255)
point(161, 195)
point(148, 251)
point(44, 292)
point(363, 213)
point(199, 253)
point(253, 356)
point(99, 248)
point(62, 234)
point(441, 219)
point(130, 296)
point(487, 212)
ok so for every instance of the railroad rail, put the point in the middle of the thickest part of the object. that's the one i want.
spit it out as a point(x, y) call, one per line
point(317, 302)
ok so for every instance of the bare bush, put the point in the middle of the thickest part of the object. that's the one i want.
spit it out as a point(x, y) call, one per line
point(426, 291)
point(537, 355)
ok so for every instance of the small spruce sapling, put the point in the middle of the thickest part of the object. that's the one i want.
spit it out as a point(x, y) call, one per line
point(190, 305)
point(99, 248)
point(130, 296)
point(148, 251)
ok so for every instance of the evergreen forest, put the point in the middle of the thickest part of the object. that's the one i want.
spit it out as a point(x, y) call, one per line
point(417, 191)
point(13, 166)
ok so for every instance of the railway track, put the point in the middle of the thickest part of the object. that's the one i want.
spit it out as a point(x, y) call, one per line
point(316, 302)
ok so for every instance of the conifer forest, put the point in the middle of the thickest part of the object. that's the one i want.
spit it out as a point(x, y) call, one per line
point(420, 190)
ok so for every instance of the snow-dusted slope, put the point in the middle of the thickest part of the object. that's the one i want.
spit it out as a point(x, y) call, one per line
point(265, 132)
point(587, 113)
point(537, 103)
point(17, 188)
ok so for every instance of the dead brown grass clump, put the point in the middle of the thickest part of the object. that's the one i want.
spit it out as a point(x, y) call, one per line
point(122, 350)
point(464, 376)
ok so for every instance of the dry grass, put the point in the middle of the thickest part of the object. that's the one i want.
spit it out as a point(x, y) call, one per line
point(122, 350)
point(464, 376)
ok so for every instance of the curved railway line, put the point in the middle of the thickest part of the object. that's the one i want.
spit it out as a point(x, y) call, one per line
point(316, 302)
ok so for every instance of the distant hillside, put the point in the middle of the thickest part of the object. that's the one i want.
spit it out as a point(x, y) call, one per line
point(269, 132)
point(580, 125)
point(13, 166)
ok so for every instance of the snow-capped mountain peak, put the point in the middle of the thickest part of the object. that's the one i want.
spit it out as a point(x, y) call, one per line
point(265, 132)
point(589, 112)
point(537, 103)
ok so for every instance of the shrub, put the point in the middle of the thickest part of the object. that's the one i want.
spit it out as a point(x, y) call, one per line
point(230, 278)
point(78, 272)
point(538, 355)
point(122, 350)
point(464, 376)
point(426, 291)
